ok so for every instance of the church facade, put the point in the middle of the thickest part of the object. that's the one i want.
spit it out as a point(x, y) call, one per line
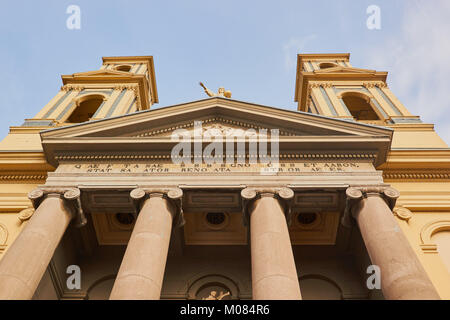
point(104, 197)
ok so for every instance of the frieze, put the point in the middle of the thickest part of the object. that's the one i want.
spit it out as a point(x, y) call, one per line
point(215, 168)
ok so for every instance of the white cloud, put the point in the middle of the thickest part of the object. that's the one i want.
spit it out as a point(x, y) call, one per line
point(418, 58)
point(293, 47)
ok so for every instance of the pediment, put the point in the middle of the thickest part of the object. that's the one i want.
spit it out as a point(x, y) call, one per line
point(152, 129)
point(216, 112)
point(340, 69)
point(102, 73)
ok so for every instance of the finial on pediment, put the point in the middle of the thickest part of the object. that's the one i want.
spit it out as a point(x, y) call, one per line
point(220, 93)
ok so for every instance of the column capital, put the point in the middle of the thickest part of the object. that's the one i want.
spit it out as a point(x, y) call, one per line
point(284, 195)
point(354, 194)
point(72, 197)
point(173, 195)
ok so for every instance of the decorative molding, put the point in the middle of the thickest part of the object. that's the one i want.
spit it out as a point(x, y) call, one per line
point(73, 199)
point(74, 87)
point(426, 233)
point(212, 121)
point(70, 195)
point(135, 89)
point(284, 195)
point(121, 87)
point(327, 85)
point(13, 177)
point(25, 214)
point(3, 237)
point(355, 194)
point(174, 195)
point(417, 175)
point(315, 156)
point(374, 84)
point(403, 213)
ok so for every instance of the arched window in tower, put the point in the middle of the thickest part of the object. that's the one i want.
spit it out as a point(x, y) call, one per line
point(85, 109)
point(359, 106)
point(326, 65)
point(123, 67)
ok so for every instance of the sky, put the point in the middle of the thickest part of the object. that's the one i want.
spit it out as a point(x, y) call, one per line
point(249, 47)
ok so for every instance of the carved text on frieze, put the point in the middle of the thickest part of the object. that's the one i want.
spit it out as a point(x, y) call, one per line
point(170, 168)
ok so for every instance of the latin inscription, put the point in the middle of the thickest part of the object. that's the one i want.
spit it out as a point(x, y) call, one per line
point(169, 168)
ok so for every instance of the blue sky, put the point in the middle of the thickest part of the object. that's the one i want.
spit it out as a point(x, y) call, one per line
point(249, 47)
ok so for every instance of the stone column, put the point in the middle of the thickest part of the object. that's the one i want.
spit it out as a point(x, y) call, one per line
point(274, 275)
point(25, 262)
point(141, 273)
point(402, 274)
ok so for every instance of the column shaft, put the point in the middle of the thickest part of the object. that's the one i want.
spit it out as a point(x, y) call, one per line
point(25, 262)
point(274, 275)
point(402, 275)
point(142, 270)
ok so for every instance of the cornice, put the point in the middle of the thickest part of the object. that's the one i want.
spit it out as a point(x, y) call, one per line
point(27, 130)
point(413, 153)
point(25, 164)
point(15, 176)
point(76, 82)
point(304, 78)
point(416, 175)
point(167, 157)
point(412, 126)
point(398, 160)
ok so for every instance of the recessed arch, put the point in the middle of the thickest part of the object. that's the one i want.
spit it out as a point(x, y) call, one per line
point(85, 107)
point(213, 281)
point(435, 237)
point(427, 232)
point(360, 105)
point(319, 287)
point(123, 67)
point(101, 288)
point(327, 65)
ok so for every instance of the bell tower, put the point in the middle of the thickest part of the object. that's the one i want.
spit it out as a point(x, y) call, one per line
point(327, 84)
point(121, 86)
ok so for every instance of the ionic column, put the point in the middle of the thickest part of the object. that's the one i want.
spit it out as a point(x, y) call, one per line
point(141, 273)
point(402, 274)
point(25, 262)
point(274, 275)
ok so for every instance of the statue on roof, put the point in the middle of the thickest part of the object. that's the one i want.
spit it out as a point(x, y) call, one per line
point(220, 93)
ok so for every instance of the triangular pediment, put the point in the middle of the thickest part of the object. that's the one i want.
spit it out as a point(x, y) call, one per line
point(152, 129)
point(340, 69)
point(102, 73)
point(216, 112)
